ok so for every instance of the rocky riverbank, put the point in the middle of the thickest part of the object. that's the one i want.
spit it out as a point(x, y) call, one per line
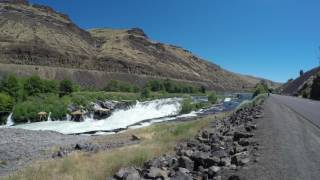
point(217, 152)
point(19, 147)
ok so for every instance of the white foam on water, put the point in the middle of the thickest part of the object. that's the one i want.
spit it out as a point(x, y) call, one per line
point(68, 117)
point(119, 119)
point(227, 99)
point(49, 117)
point(10, 120)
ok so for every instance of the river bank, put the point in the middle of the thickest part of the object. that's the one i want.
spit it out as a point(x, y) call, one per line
point(21, 147)
point(97, 157)
point(139, 114)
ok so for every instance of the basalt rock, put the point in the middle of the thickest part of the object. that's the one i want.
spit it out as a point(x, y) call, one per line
point(211, 152)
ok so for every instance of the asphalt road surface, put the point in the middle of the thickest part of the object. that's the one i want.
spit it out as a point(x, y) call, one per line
point(289, 137)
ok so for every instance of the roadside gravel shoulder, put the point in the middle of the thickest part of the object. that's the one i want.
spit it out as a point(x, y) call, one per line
point(289, 145)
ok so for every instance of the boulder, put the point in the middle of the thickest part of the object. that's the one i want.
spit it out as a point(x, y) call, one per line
point(205, 134)
point(160, 162)
point(125, 173)
point(135, 138)
point(101, 113)
point(155, 173)
point(243, 142)
point(87, 147)
point(108, 104)
point(134, 176)
point(244, 161)
point(226, 161)
point(234, 177)
point(186, 162)
point(250, 127)
point(238, 135)
point(181, 174)
point(213, 171)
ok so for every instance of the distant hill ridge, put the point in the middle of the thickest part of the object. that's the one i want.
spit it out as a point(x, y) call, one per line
point(35, 39)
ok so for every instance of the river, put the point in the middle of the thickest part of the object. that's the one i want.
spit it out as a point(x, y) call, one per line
point(139, 115)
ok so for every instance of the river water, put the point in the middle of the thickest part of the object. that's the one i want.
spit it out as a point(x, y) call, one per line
point(139, 115)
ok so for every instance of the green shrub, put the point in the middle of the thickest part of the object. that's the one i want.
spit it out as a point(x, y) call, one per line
point(173, 87)
point(50, 86)
point(203, 89)
point(35, 85)
point(258, 100)
point(29, 109)
point(6, 105)
point(120, 86)
point(315, 88)
point(65, 87)
point(212, 98)
point(12, 86)
point(186, 106)
point(84, 98)
point(145, 93)
point(260, 89)
point(155, 85)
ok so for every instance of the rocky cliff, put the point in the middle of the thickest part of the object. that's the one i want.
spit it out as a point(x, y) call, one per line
point(35, 39)
point(301, 86)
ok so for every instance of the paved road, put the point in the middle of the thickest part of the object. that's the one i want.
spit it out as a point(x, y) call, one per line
point(289, 136)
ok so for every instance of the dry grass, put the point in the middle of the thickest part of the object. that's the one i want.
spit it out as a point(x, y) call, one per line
point(156, 140)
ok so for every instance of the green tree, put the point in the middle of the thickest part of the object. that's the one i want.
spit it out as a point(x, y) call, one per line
point(65, 87)
point(136, 89)
point(119, 86)
point(203, 89)
point(260, 89)
point(50, 86)
point(301, 72)
point(145, 93)
point(186, 106)
point(155, 85)
point(315, 88)
point(6, 103)
point(113, 86)
point(12, 86)
point(168, 85)
point(33, 85)
point(212, 98)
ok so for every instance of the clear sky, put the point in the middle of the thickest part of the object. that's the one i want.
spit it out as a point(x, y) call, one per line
point(273, 39)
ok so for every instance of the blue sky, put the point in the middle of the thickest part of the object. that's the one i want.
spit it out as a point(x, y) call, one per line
point(273, 39)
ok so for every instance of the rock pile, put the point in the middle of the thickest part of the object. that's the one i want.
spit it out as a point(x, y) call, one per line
point(215, 153)
point(93, 147)
point(97, 110)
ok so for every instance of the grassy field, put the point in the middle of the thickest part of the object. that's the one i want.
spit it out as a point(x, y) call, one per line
point(156, 140)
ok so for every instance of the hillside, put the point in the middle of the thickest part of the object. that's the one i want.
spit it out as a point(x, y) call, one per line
point(256, 80)
point(36, 39)
point(301, 84)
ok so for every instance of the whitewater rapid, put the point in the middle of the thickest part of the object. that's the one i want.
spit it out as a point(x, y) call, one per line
point(123, 118)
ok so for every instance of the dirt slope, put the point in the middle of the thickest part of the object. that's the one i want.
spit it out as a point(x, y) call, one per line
point(303, 82)
point(36, 39)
